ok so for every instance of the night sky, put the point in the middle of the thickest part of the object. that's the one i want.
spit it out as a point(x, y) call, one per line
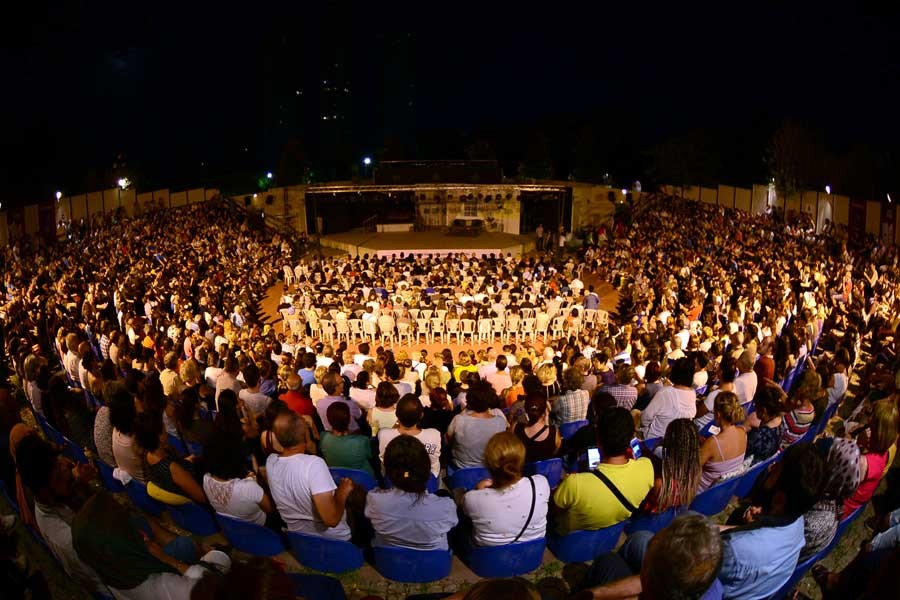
point(181, 92)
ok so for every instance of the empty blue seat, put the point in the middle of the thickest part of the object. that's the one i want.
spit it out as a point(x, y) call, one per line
point(194, 518)
point(552, 469)
point(749, 477)
point(323, 554)
point(412, 566)
point(510, 560)
point(653, 522)
point(106, 477)
point(584, 545)
point(249, 537)
point(320, 587)
point(466, 478)
point(137, 491)
point(715, 499)
point(360, 477)
point(567, 430)
point(177, 444)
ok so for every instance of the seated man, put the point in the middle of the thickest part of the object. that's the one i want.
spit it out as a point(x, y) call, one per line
point(587, 500)
point(333, 384)
point(680, 561)
point(302, 486)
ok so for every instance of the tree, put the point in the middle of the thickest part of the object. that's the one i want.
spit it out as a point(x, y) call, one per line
point(795, 158)
point(480, 149)
point(538, 164)
point(293, 163)
point(685, 160)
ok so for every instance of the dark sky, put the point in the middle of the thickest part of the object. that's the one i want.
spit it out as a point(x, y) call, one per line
point(181, 91)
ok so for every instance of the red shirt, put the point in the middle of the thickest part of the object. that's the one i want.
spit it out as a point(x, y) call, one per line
point(298, 403)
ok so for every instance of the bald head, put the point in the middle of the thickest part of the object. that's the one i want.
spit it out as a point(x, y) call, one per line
point(294, 382)
point(290, 430)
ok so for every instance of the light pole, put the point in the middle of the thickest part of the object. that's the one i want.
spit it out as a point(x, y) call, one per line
point(367, 161)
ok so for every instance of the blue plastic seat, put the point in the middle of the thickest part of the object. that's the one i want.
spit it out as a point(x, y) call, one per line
point(653, 443)
point(194, 518)
point(250, 538)
point(705, 431)
point(75, 452)
point(177, 444)
point(320, 587)
point(799, 572)
point(552, 469)
point(845, 523)
point(323, 554)
point(715, 499)
point(466, 478)
point(585, 545)
point(823, 422)
point(653, 522)
point(567, 430)
point(52, 434)
point(137, 491)
point(194, 448)
point(510, 560)
point(360, 477)
point(412, 566)
point(431, 487)
point(106, 477)
point(749, 477)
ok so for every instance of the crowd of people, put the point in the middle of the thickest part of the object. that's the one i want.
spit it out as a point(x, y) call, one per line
point(142, 343)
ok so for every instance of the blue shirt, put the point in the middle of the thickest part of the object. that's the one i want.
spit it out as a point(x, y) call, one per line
point(757, 562)
point(307, 376)
point(591, 301)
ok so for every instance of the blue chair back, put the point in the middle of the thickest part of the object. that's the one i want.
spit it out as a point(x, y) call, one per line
point(845, 523)
point(705, 431)
point(431, 487)
point(250, 538)
point(653, 443)
point(412, 566)
point(510, 560)
point(75, 452)
point(320, 587)
point(323, 554)
point(653, 522)
point(715, 499)
point(137, 491)
point(360, 477)
point(800, 572)
point(466, 478)
point(810, 434)
point(567, 430)
point(177, 445)
point(829, 413)
point(552, 469)
point(585, 546)
point(194, 518)
point(194, 448)
point(52, 434)
point(106, 477)
point(749, 477)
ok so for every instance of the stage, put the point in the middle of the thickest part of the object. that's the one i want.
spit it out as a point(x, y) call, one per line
point(428, 242)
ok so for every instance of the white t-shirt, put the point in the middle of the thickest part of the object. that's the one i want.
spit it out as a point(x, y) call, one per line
point(499, 515)
point(255, 401)
point(430, 438)
point(293, 481)
point(365, 399)
point(211, 374)
point(840, 388)
point(745, 386)
point(238, 498)
point(668, 404)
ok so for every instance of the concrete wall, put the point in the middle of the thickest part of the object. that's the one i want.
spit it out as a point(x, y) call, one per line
point(591, 205)
point(873, 218)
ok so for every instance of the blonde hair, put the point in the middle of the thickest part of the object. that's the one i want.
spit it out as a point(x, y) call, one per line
point(190, 372)
point(320, 373)
point(728, 408)
point(883, 425)
point(516, 374)
point(547, 374)
point(504, 457)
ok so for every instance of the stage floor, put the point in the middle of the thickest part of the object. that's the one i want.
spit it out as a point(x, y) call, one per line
point(428, 242)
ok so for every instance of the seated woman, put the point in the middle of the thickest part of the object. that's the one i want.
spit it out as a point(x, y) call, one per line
point(541, 439)
point(340, 448)
point(470, 430)
point(409, 415)
point(677, 475)
point(122, 414)
point(230, 485)
point(507, 508)
point(407, 516)
point(362, 391)
point(875, 443)
point(165, 470)
point(842, 477)
point(723, 453)
point(191, 428)
point(801, 413)
point(384, 415)
point(765, 426)
point(439, 412)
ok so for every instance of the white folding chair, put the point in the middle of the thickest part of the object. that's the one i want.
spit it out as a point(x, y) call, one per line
point(452, 328)
point(404, 330)
point(484, 330)
point(590, 314)
point(342, 328)
point(527, 329)
point(512, 327)
point(467, 328)
point(437, 328)
point(326, 331)
point(426, 313)
point(414, 313)
point(356, 330)
point(423, 328)
point(602, 317)
point(288, 275)
point(557, 326)
point(386, 325)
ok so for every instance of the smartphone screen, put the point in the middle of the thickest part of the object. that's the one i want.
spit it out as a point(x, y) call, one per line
point(635, 448)
point(593, 456)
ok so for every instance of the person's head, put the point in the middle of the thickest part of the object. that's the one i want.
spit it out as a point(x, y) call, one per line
point(364, 348)
point(625, 374)
point(338, 415)
point(224, 457)
point(532, 384)
point(122, 411)
point(251, 375)
point(727, 408)
point(799, 478)
point(480, 397)
point(745, 361)
point(728, 369)
point(681, 464)
point(409, 410)
point(294, 383)
point(290, 430)
point(682, 560)
point(44, 470)
point(573, 379)
point(501, 362)
point(407, 465)
point(535, 407)
point(652, 372)
point(439, 398)
point(546, 373)
point(386, 395)
point(170, 361)
point(682, 372)
point(883, 425)
point(148, 429)
point(392, 371)
point(767, 402)
point(615, 428)
point(504, 457)
point(309, 361)
point(333, 383)
point(231, 365)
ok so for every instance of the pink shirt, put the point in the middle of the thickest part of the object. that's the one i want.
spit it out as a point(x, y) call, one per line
point(866, 489)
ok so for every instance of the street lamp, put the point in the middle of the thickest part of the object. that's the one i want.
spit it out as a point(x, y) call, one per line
point(828, 189)
point(58, 195)
point(367, 161)
point(269, 175)
point(124, 183)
